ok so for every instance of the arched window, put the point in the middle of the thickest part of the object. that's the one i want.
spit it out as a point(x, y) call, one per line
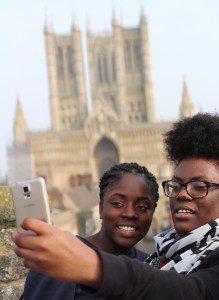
point(60, 63)
point(137, 55)
point(113, 67)
point(128, 56)
point(106, 155)
point(70, 61)
point(100, 69)
point(105, 68)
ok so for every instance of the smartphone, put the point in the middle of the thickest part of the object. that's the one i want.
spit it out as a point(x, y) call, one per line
point(30, 201)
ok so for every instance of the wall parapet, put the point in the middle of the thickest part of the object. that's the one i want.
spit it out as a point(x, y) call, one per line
point(12, 270)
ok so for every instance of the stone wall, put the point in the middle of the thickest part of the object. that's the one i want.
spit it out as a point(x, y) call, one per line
point(12, 270)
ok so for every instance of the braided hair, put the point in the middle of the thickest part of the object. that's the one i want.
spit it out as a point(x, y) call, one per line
point(114, 175)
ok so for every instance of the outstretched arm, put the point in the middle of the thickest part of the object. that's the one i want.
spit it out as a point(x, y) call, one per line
point(62, 256)
point(128, 279)
point(57, 254)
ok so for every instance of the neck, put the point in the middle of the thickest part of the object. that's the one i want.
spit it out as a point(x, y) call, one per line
point(101, 241)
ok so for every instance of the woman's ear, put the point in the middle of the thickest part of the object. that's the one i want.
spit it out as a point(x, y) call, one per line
point(101, 209)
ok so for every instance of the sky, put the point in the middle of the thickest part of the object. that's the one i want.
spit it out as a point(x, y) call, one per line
point(184, 41)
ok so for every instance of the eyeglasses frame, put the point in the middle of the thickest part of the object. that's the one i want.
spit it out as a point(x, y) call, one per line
point(208, 185)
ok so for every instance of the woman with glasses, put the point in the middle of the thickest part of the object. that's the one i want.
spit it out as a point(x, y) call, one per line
point(186, 262)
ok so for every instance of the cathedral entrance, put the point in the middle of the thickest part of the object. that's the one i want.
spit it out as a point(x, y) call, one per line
point(106, 155)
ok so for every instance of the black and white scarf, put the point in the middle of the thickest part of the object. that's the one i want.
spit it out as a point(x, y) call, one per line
point(184, 253)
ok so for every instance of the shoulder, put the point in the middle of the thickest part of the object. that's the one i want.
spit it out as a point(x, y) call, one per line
point(140, 255)
point(39, 286)
point(86, 242)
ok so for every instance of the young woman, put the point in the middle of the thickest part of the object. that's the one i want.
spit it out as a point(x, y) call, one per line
point(186, 263)
point(128, 197)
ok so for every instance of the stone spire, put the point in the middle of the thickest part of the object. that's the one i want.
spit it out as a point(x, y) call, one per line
point(187, 108)
point(48, 27)
point(20, 125)
point(74, 24)
point(143, 18)
point(88, 25)
point(115, 21)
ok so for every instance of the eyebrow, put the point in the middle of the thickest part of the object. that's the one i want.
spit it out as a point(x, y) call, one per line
point(141, 198)
point(191, 179)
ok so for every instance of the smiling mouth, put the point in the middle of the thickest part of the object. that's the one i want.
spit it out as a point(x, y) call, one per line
point(127, 228)
point(184, 211)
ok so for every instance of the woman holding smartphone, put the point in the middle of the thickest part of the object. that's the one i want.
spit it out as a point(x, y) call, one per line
point(128, 197)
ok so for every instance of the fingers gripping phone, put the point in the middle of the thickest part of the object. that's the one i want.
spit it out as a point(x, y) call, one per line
point(30, 201)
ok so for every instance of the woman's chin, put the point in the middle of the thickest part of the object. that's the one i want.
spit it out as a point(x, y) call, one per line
point(183, 227)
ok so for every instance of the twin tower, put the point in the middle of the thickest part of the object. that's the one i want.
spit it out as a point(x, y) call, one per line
point(119, 71)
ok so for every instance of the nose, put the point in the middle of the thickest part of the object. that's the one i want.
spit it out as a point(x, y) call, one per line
point(129, 211)
point(184, 195)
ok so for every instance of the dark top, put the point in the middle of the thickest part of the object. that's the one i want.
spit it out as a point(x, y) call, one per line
point(42, 287)
point(130, 279)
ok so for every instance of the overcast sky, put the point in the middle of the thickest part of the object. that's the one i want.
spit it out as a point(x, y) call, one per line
point(184, 40)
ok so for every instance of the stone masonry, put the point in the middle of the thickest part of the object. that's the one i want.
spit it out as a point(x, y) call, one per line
point(12, 270)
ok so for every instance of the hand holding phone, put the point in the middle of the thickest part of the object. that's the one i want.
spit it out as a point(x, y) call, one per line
point(30, 201)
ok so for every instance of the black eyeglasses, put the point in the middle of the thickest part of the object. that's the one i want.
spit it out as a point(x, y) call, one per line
point(196, 189)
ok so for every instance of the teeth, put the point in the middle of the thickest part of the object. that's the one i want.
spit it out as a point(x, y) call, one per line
point(127, 228)
point(184, 211)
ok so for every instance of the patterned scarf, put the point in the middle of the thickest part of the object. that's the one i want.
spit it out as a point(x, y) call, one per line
point(185, 252)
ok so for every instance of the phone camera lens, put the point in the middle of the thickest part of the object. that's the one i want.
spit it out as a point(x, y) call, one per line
point(26, 189)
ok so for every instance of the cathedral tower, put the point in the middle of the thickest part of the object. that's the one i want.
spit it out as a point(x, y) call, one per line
point(120, 71)
point(68, 99)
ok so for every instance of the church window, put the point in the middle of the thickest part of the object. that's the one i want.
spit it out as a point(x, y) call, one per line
point(114, 67)
point(97, 124)
point(70, 61)
point(137, 55)
point(128, 57)
point(113, 101)
point(100, 69)
point(60, 63)
point(105, 67)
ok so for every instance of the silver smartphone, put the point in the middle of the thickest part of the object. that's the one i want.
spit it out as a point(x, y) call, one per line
point(30, 201)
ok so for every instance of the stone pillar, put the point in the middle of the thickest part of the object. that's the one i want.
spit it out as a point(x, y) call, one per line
point(12, 270)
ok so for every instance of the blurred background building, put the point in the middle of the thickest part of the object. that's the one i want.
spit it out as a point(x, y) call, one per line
point(120, 127)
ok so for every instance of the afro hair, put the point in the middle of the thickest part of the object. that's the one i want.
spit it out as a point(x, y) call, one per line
point(196, 136)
